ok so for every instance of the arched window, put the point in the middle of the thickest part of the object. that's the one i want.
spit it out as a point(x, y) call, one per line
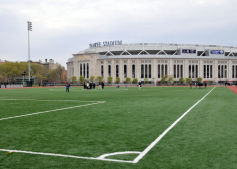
point(133, 71)
point(142, 71)
point(109, 70)
point(125, 71)
point(117, 70)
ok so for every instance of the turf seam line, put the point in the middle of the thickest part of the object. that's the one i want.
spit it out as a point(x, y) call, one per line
point(66, 108)
point(144, 152)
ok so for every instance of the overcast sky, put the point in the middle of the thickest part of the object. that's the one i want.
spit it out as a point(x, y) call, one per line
point(64, 27)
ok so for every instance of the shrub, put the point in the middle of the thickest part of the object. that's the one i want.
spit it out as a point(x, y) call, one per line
point(110, 79)
point(170, 80)
point(82, 79)
point(199, 79)
point(181, 80)
point(74, 79)
point(134, 81)
point(188, 80)
point(99, 79)
point(117, 80)
point(145, 80)
point(92, 78)
point(128, 80)
point(163, 80)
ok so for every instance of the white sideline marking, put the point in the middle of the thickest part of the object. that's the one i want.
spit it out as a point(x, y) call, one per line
point(49, 100)
point(118, 153)
point(13, 117)
point(64, 155)
point(142, 154)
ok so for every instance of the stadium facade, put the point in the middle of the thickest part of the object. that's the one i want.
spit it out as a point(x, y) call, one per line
point(152, 61)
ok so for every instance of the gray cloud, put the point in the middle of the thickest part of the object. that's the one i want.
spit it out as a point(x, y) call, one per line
point(64, 27)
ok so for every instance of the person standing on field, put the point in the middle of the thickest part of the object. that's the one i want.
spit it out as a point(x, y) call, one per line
point(102, 85)
point(191, 84)
point(139, 85)
point(67, 87)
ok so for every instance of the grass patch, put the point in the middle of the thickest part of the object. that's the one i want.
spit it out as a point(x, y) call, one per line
point(129, 120)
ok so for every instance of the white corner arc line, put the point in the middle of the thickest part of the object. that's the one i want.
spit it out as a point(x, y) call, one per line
point(64, 155)
point(66, 108)
point(143, 153)
point(118, 153)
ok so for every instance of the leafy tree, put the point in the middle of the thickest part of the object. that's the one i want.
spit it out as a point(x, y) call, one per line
point(74, 79)
point(10, 71)
point(163, 79)
point(145, 80)
point(59, 73)
point(99, 79)
point(41, 73)
point(181, 80)
point(170, 80)
point(82, 80)
point(117, 80)
point(188, 80)
point(128, 80)
point(2, 78)
point(52, 76)
point(92, 78)
point(110, 79)
point(199, 79)
point(134, 81)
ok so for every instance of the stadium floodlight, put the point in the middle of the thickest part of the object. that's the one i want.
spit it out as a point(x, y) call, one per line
point(29, 24)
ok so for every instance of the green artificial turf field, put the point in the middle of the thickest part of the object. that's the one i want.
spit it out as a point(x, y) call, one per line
point(88, 124)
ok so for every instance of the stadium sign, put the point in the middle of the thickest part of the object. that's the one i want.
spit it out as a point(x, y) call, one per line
point(106, 43)
point(217, 52)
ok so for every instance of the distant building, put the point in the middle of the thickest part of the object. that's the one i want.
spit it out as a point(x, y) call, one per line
point(153, 61)
point(70, 69)
point(49, 64)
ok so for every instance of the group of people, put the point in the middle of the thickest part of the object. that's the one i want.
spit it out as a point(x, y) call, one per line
point(92, 85)
point(198, 84)
point(86, 86)
point(4, 84)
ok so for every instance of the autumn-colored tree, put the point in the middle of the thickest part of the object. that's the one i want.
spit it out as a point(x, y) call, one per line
point(11, 71)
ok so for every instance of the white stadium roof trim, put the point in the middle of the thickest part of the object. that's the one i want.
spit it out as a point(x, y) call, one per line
point(154, 46)
point(161, 50)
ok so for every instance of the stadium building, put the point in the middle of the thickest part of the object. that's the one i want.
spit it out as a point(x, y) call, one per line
point(152, 61)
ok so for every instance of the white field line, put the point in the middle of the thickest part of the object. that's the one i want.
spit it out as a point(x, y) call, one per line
point(142, 154)
point(66, 108)
point(49, 100)
point(64, 155)
point(118, 153)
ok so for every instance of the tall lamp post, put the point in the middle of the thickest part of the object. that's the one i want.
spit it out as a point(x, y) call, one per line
point(29, 24)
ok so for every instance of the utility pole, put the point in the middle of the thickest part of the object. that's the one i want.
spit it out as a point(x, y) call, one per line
point(29, 24)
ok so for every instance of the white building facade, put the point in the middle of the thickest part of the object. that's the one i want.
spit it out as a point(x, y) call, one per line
point(152, 61)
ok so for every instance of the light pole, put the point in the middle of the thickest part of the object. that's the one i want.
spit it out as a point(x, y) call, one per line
point(29, 24)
